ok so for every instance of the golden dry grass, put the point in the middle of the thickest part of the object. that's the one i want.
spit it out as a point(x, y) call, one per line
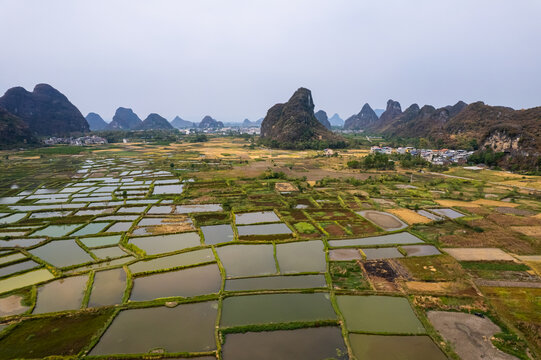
point(409, 216)
point(285, 186)
point(528, 230)
point(457, 203)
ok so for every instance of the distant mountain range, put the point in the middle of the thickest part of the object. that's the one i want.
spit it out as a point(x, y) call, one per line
point(336, 120)
point(45, 110)
point(180, 123)
point(321, 116)
point(95, 122)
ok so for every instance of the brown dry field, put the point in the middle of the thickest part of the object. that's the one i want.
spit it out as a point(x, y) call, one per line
point(409, 216)
point(479, 254)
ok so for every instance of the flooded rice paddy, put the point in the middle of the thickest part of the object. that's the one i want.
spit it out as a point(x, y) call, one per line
point(184, 267)
point(301, 344)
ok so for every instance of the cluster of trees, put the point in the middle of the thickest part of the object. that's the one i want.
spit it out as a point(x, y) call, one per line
point(304, 145)
point(372, 161)
point(487, 157)
point(161, 136)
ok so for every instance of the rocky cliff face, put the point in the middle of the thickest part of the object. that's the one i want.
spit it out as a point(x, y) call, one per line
point(321, 116)
point(210, 123)
point(13, 131)
point(502, 142)
point(45, 110)
point(125, 119)
point(180, 123)
point(155, 122)
point(365, 118)
point(294, 122)
point(95, 122)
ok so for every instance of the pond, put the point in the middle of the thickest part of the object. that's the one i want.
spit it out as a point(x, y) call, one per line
point(167, 189)
point(12, 257)
point(118, 218)
point(247, 260)
point(200, 280)
point(380, 314)
point(108, 288)
point(49, 214)
point(26, 279)
point(403, 347)
point(276, 308)
point(60, 295)
point(450, 213)
point(256, 217)
point(133, 209)
point(276, 283)
point(62, 253)
point(109, 252)
point(301, 344)
point(421, 250)
point(166, 243)
point(391, 239)
point(265, 229)
point(101, 241)
point(384, 220)
point(382, 253)
point(12, 218)
point(90, 229)
point(56, 230)
point(217, 234)
point(160, 209)
point(119, 227)
point(429, 215)
point(303, 256)
point(174, 261)
point(185, 209)
point(344, 255)
point(185, 328)
point(17, 267)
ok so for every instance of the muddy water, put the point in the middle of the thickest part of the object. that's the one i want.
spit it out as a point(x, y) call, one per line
point(304, 256)
point(276, 308)
point(185, 328)
point(62, 253)
point(421, 250)
point(276, 282)
point(398, 238)
point(108, 288)
point(217, 234)
point(166, 243)
point(247, 260)
point(379, 314)
point(56, 230)
point(265, 229)
point(178, 260)
point(394, 347)
point(101, 241)
point(256, 217)
point(301, 344)
point(59, 295)
point(382, 253)
point(384, 220)
point(194, 281)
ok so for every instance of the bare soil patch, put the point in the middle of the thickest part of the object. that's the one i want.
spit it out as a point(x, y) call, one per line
point(469, 334)
point(479, 254)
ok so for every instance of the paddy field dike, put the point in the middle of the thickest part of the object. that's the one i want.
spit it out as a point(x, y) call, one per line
point(225, 251)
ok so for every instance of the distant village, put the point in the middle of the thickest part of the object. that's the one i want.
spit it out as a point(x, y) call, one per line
point(436, 157)
point(80, 141)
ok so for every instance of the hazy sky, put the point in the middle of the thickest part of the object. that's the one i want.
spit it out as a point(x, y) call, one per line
point(235, 59)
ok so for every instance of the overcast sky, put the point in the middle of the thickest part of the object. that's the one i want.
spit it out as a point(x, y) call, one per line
point(235, 59)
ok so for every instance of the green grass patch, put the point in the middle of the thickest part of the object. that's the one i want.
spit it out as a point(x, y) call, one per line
point(305, 228)
point(494, 265)
point(347, 275)
point(41, 337)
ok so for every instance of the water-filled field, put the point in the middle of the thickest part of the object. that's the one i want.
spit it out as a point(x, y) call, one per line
point(126, 256)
